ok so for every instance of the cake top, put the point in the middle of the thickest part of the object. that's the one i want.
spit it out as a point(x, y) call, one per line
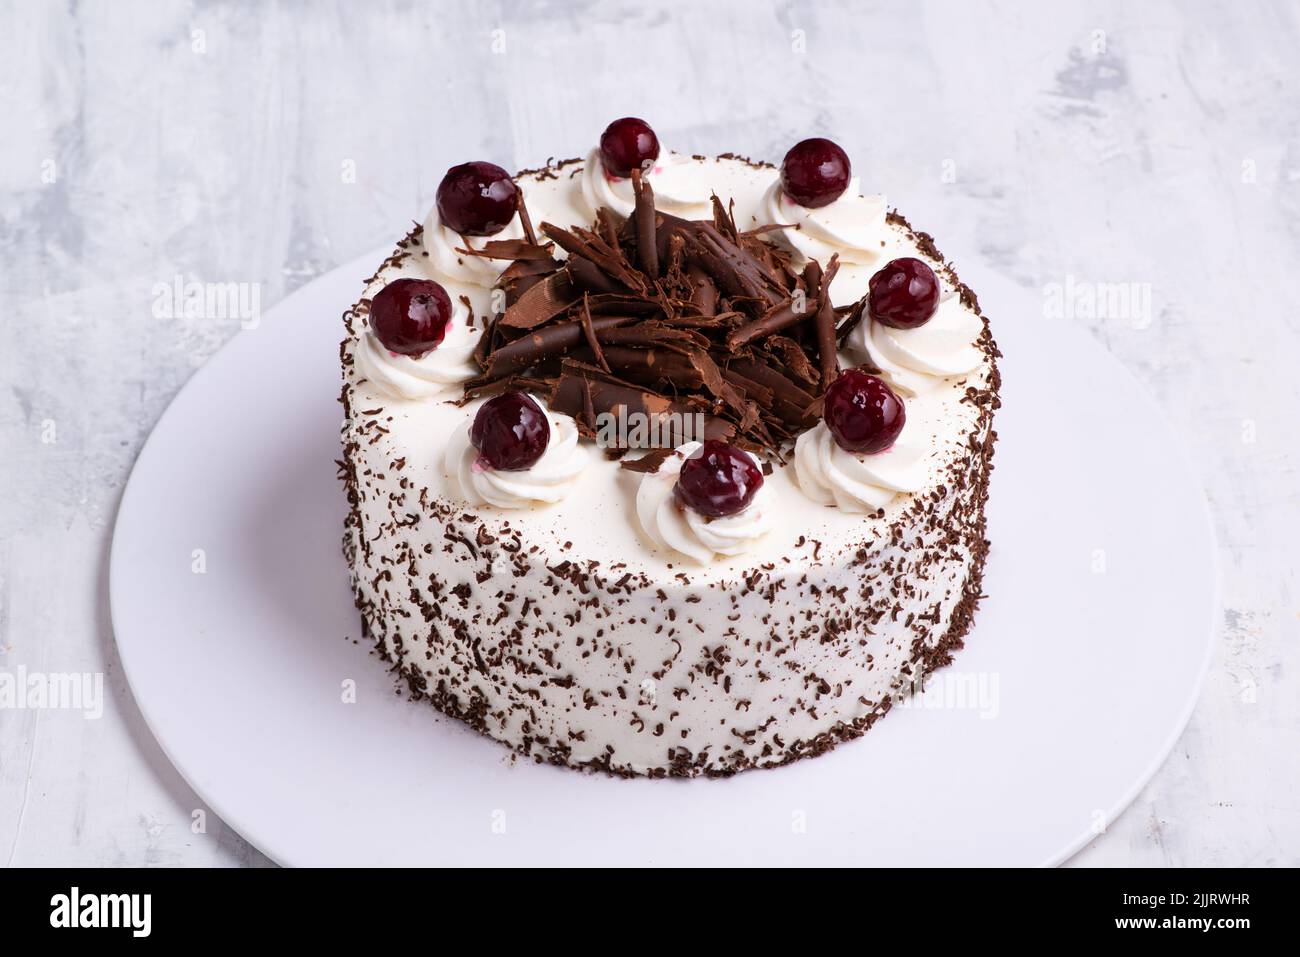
point(705, 324)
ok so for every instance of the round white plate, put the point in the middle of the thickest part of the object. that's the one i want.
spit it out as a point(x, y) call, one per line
point(236, 628)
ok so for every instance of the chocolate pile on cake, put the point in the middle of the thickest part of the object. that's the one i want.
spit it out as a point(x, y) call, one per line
point(656, 314)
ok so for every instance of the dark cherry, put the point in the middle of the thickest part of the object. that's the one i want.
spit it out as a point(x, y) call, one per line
point(863, 413)
point(628, 144)
point(410, 316)
point(815, 172)
point(718, 480)
point(477, 199)
point(510, 432)
point(904, 294)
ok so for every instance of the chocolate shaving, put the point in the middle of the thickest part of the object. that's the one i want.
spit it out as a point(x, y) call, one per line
point(589, 332)
point(647, 463)
point(586, 392)
point(515, 249)
point(587, 276)
point(824, 323)
point(654, 366)
point(704, 294)
point(526, 221)
point(545, 343)
point(543, 302)
point(774, 320)
point(647, 250)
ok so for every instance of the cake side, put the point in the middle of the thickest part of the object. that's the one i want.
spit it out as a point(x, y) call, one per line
point(592, 656)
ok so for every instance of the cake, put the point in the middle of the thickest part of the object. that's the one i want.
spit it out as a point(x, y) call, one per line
point(666, 465)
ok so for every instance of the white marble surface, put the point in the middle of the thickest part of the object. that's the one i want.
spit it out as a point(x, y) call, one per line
point(1096, 143)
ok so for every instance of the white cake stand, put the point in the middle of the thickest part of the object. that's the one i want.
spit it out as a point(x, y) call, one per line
point(236, 629)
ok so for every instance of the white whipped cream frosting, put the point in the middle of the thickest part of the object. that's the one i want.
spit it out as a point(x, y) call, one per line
point(853, 226)
point(678, 187)
point(917, 360)
point(548, 480)
point(441, 244)
point(436, 373)
point(857, 483)
point(672, 527)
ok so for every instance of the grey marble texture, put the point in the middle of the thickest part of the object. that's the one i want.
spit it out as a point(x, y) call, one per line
point(1090, 144)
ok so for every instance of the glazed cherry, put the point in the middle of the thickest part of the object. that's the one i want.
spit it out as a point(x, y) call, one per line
point(628, 144)
point(815, 173)
point(904, 294)
point(410, 316)
point(718, 480)
point(477, 199)
point(510, 432)
point(863, 414)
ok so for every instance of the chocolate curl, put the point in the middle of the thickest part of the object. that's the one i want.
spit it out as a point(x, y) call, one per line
point(587, 276)
point(589, 332)
point(587, 245)
point(609, 225)
point(704, 294)
point(796, 360)
point(540, 304)
point(522, 275)
point(650, 366)
point(608, 395)
point(722, 390)
point(516, 249)
point(735, 270)
point(776, 264)
point(667, 226)
point(692, 369)
point(648, 335)
point(774, 320)
point(486, 343)
point(824, 322)
point(544, 343)
point(526, 221)
point(676, 255)
point(789, 402)
point(748, 387)
point(647, 252)
point(724, 219)
point(608, 304)
point(781, 317)
point(854, 314)
point(812, 277)
point(764, 230)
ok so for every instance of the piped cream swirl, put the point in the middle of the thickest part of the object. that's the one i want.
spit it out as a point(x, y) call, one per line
point(672, 527)
point(853, 225)
point(917, 360)
point(678, 187)
point(435, 373)
point(550, 479)
point(445, 262)
point(831, 475)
